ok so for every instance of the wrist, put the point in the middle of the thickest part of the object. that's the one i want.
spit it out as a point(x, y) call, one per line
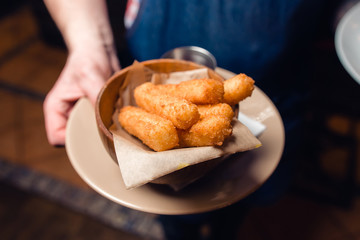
point(89, 36)
point(83, 23)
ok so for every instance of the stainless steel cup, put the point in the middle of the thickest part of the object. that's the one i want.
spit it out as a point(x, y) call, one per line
point(192, 53)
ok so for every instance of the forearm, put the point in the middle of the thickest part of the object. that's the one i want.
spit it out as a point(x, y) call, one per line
point(83, 23)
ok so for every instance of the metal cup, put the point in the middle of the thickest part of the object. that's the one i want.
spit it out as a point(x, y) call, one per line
point(192, 53)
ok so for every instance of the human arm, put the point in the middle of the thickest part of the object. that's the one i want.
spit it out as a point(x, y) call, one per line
point(86, 30)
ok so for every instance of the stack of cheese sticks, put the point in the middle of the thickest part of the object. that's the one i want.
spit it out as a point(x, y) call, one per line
point(192, 113)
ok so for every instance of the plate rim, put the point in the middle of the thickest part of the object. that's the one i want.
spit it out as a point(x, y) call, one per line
point(339, 41)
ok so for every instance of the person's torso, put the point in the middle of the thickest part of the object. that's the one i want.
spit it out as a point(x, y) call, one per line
point(244, 36)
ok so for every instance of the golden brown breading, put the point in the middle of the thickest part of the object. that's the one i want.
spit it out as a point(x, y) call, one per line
point(154, 131)
point(209, 131)
point(238, 88)
point(198, 91)
point(222, 109)
point(192, 113)
point(182, 113)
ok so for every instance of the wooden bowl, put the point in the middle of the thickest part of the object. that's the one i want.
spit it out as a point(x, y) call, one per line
point(109, 94)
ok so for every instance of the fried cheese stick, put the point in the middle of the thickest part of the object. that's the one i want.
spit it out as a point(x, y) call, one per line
point(209, 131)
point(238, 88)
point(222, 109)
point(197, 91)
point(154, 131)
point(182, 113)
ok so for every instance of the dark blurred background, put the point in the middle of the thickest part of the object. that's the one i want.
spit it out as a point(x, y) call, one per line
point(42, 197)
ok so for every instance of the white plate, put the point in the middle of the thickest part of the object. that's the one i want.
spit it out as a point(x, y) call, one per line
point(347, 41)
point(233, 180)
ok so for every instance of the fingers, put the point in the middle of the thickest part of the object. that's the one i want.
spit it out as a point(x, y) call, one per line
point(74, 82)
point(182, 113)
point(209, 131)
point(86, 70)
point(222, 109)
point(156, 132)
point(238, 88)
point(211, 91)
point(197, 91)
point(56, 113)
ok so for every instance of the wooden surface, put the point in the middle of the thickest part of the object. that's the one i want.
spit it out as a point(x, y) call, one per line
point(28, 69)
point(25, 216)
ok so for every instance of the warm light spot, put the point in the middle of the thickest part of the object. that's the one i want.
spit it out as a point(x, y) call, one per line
point(339, 124)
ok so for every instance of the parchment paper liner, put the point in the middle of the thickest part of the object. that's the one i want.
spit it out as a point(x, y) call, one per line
point(177, 167)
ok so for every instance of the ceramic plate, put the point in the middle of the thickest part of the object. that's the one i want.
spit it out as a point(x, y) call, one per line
point(233, 180)
point(347, 41)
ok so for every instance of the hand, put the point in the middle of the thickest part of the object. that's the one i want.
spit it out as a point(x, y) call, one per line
point(84, 74)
